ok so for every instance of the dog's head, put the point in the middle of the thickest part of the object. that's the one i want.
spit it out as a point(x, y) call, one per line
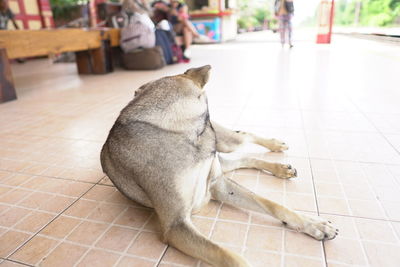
point(199, 75)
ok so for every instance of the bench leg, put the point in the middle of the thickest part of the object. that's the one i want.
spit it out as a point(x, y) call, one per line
point(7, 89)
point(95, 61)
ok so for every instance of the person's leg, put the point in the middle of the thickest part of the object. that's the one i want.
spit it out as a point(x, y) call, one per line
point(188, 24)
point(289, 23)
point(187, 37)
point(282, 30)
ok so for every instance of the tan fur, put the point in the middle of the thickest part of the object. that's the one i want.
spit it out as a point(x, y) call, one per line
point(163, 153)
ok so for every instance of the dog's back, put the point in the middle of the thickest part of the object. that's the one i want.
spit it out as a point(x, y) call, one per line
point(158, 136)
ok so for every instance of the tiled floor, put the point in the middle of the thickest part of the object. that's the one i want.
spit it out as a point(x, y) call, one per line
point(337, 106)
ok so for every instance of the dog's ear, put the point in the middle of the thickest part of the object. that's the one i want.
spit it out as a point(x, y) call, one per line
point(199, 75)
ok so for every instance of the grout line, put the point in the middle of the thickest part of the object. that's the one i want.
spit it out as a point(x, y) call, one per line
point(125, 253)
point(324, 256)
point(351, 211)
point(60, 241)
point(162, 255)
point(92, 246)
point(246, 236)
point(37, 232)
point(15, 261)
point(283, 248)
point(360, 217)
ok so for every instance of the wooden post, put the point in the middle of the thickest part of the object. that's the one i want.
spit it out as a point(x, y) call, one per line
point(7, 89)
point(95, 61)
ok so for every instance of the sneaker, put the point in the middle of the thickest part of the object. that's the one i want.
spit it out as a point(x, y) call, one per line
point(202, 39)
point(187, 53)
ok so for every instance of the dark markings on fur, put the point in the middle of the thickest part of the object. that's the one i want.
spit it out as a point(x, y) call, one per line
point(206, 119)
point(230, 193)
point(146, 123)
point(284, 223)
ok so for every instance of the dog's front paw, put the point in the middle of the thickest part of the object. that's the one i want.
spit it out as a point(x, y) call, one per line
point(284, 171)
point(318, 228)
point(277, 146)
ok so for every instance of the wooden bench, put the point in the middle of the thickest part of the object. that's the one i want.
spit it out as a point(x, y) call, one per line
point(92, 47)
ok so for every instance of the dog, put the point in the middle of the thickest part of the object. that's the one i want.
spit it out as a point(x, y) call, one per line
point(162, 152)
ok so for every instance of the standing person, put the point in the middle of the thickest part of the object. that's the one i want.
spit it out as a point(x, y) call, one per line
point(284, 10)
point(6, 15)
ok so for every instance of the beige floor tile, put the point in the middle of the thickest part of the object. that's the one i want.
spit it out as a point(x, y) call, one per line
point(34, 222)
point(366, 208)
point(87, 232)
point(264, 238)
point(99, 193)
point(57, 204)
point(106, 212)
point(15, 180)
point(223, 233)
point(74, 189)
point(265, 220)
point(11, 240)
point(33, 251)
point(116, 239)
point(147, 245)
point(35, 200)
point(60, 227)
point(135, 262)
point(99, 258)
point(14, 196)
point(303, 245)
point(248, 180)
point(329, 190)
point(392, 209)
point(374, 230)
point(380, 254)
point(333, 205)
point(36, 182)
point(234, 214)
point(13, 216)
point(268, 183)
point(118, 198)
point(348, 251)
point(346, 225)
point(81, 208)
point(10, 264)
point(297, 261)
point(176, 257)
point(259, 258)
point(134, 217)
point(64, 255)
point(304, 202)
point(203, 225)
point(153, 224)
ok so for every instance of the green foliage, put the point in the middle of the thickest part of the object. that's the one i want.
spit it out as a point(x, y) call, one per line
point(65, 9)
point(372, 12)
point(253, 13)
point(63, 3)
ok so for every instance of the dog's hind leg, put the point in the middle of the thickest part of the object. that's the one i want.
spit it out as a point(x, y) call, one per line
point(180, 233)
point(277, 169)
point(228, 191)
point(228, 140)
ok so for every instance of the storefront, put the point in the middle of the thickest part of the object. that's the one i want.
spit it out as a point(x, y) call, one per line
point(31, 14)
point(215, 18)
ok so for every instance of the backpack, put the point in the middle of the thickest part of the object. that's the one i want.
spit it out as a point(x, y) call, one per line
point(144, 59)
point(138, 33)
point(288, 6)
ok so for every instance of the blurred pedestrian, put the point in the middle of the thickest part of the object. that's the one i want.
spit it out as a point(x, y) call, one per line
point(6, 15)
point(284, 10)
